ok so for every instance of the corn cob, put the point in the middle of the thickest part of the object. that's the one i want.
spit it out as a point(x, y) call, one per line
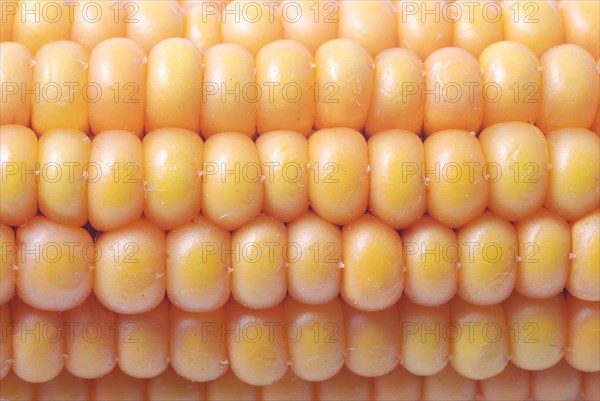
point(464, 362)
point(368, 263)
point(453, 178)
point(344, 86)
point(420, 26)
point(258, 345)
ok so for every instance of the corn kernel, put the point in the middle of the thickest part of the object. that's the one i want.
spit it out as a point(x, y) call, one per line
point(96, 21)
point(313, 254)
point(38, 22)
point(399, 74)
point(310, 22)
point(560, 382)
point(117, 386)
point(63, 155)
point(130, 268)
point(8, 261)
point(344, 84)
point(338, 181)
point(173, 184)
point(149, 22)
point(169, 386)
point(476, 25)
point(583, 339)
point(198, 260)
point(584, 275)
point(397, 188)
point(398, 385)
point(581, 23)
point(18, 188)
point(143, 342)
point(511, 384)
point(201, 27)
point(258, 279)
point(118, 70)
point(60, 76)
point(115, 184)
point(16, 69)
point(285, 75)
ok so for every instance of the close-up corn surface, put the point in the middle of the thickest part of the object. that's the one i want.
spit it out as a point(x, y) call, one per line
point(300, 200)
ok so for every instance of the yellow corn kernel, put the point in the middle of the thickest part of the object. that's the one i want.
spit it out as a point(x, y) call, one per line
point(370, 23)
point(314, 253)
point(338, 181)
point(5, 343)
point(198, 260)
point(537, 330)
point(397, 187)
point(581, 23)
point(232, 188)
point(18, 166)
point(250, 24)
point(92, 339)
point(448, 385)
point(143, 342)
point(476, 25)
point(454, 97)
point(202, 27)
point(344, 83)
point(574, 176)
point(63, 155)
point(197, 346)
point(286, 78)
point(8, 261)
point(258, 279)
point(373, 276)
point(96, 21)
point(310, 22)
point(284, 159)
point(344, 385)
point(115, 184)
point(480, 346)
point(569, 90)
point(57, 275)
point(117, 386)
point(149, 22)
point(38, 22)
point(130, 268)
point(318, 345)
point(16, 63)
point(542, 271)
point(372, 339)
point(584, 275)
point(536, 24)
point(517, 158)
point(560, 382)
point(398, 75)
point(422, 26)
point(583, 338)
point(511, 83)
point(169, 386)
point(229, 89)
point(65, 386)
point(60, 76)
point(488, 260)
point(431, 254)
point(398, 385)
point(509, 385)
point(256, 344)
point(456, 189)
point(174, 86)
point(425, 337)
point(118, 73)
point(173, 182)
point(229, 388)
point(37, 343)
point(288, 388)
point(8, 9)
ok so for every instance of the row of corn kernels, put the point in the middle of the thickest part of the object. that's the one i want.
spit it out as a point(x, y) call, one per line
point(199, 265)
point(421, 26)
point(313, 341)
point(560, 382)
point(284, 87)
point(170, 175)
